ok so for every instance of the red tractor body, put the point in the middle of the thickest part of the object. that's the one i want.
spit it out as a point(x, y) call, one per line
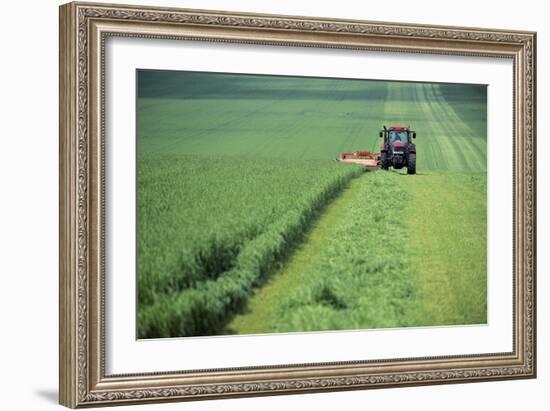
point(397, 151)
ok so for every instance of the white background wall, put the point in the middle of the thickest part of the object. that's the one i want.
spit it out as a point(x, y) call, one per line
point(29, 189)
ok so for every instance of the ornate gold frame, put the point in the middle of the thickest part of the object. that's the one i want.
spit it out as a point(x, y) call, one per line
point(83, 30)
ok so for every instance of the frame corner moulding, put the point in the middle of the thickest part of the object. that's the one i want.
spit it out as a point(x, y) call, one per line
point(84, 27)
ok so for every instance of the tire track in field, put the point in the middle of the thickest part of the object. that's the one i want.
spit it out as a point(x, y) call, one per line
point(447, 156)
point(436, 153)
point(455, 130)
point(393, 112)
point(475, 144)
point(458, 159)
point(397, 111)
point(446, 130)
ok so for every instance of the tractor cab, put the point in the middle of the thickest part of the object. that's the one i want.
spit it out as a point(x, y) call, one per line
point(397, 149)
point(396, 136)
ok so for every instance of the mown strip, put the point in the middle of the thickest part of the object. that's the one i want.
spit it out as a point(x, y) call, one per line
point(360, 277)
point(373, 260)
point(448, 250)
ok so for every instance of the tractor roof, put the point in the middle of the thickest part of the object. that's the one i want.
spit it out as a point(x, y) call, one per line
point(399, 128)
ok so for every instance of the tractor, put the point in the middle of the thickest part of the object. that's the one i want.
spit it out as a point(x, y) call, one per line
point(398, 150)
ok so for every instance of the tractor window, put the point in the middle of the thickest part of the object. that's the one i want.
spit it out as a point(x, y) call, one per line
point(398, 136)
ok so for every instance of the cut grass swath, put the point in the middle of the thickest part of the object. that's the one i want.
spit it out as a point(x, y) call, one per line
point(373, 260)
point(361, 278)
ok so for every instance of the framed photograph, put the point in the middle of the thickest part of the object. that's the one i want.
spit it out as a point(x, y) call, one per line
point(260, 204)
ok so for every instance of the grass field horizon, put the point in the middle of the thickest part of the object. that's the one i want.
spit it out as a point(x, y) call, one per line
point(246, 224)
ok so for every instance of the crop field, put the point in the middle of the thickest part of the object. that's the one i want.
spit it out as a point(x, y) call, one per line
point(210, 230)
point(387, 274)
point(246, 224)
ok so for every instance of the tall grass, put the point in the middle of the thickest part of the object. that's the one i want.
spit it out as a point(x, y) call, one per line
point(205, 243)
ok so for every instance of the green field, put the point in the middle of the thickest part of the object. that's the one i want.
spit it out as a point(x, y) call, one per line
point(246, 224)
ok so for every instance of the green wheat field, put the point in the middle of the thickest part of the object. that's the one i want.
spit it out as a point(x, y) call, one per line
point(247, 225)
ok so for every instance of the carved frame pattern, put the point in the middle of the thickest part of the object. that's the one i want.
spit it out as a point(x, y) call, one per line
point(81, 312)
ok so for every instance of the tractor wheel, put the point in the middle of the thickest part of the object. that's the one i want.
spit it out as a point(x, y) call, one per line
point(384, 162)
point(411, 164)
